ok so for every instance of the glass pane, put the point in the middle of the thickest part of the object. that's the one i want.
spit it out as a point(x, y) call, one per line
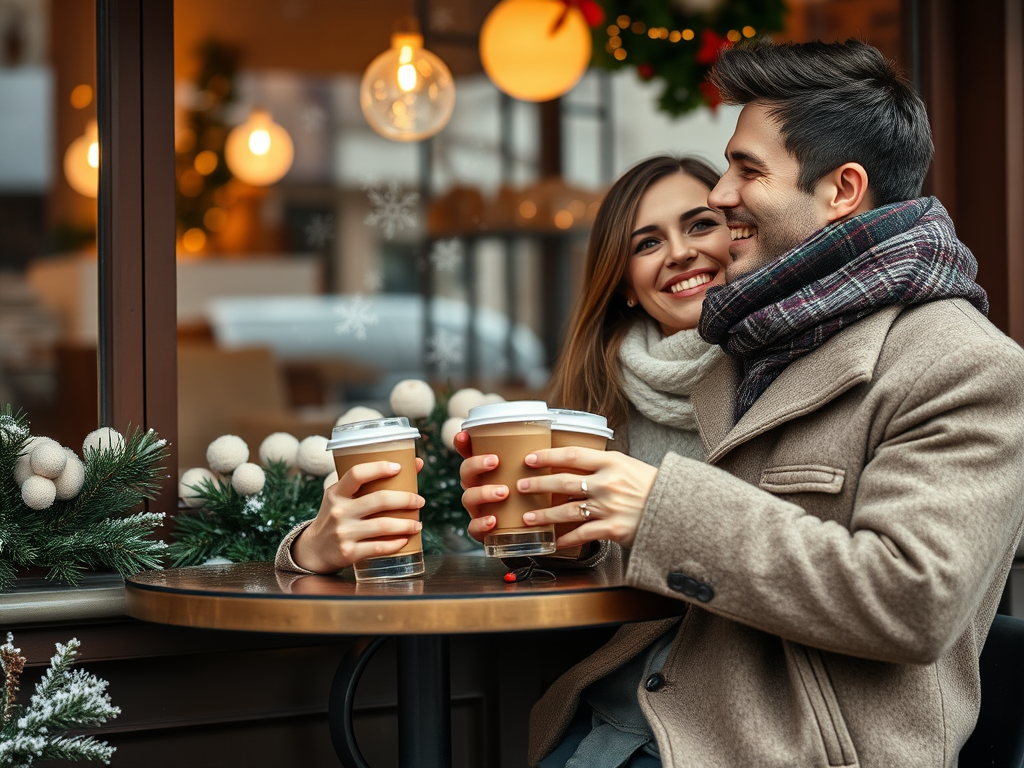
point(48, 175)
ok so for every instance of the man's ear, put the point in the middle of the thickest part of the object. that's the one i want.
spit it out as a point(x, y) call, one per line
point(844, 192)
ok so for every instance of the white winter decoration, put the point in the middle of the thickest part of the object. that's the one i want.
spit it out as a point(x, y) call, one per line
point(103, 439)
point(38, 492)
point(23, 468)
point(70, 481)
point(446, 255)
point(355, 314)
point(192, 479)
point(491, 399)
point(218, 561)
point(11, 430)
point(444, 350)
point(373, 280)
point(48, 459)
point(320, 230)
point(358, 413)
point(248, 479)
point(391, 209)
point(331, 479)
point(227, 452)
point(314, 458)
point(412, 398)
point(450, 429)
point(279, 446)
point(461, 401)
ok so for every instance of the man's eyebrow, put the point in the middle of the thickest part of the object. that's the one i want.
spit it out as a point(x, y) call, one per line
point(739, 156)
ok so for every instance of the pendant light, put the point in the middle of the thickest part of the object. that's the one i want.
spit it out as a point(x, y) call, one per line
point(82, 162)
point(259, 151)
point(407, 93)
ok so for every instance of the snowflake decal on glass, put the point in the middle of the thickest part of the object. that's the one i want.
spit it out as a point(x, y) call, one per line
point(446, 255)
point(391, 209)
point(444, 350)
point(314, 118)
point(373, 281)
point(355, 314)
point(320, 230)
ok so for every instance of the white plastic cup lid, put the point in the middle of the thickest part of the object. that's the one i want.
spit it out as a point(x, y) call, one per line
point(371, 431)
point(507, 413)
point(581, 421)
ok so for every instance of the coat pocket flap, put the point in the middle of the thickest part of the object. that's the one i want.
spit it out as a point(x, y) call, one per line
point(802, 478)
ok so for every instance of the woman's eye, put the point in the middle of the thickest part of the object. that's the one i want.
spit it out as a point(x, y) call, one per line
point(703, 225)
point(644, 245)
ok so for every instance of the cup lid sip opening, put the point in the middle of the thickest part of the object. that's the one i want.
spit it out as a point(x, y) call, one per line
point(372, 431)
point(581, 421)
point(506, 413)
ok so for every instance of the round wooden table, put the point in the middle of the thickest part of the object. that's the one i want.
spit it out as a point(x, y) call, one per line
point(457, 594)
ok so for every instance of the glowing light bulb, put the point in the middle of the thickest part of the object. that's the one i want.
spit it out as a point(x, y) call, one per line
point(259, 151)
point(407, 93)
point(82, 162)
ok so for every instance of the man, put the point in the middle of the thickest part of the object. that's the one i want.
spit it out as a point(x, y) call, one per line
point(844, 548)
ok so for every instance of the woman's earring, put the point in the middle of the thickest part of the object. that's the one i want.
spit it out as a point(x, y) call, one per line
point(630, 303)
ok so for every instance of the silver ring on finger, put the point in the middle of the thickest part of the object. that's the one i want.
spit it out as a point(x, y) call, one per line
point(583, 488)
point(584, 512)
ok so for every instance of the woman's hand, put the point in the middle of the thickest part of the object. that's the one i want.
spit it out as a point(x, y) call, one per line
point(609, 505)
point(345, 530)
point(476, 494)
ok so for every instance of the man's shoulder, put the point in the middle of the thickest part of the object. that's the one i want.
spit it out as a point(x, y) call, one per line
point(948, 323)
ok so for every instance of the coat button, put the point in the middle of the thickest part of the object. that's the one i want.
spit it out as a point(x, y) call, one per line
point(654, 682)
point(676, 581)
point(704, 593)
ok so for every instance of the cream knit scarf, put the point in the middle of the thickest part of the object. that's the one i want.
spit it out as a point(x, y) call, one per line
point(659, 373)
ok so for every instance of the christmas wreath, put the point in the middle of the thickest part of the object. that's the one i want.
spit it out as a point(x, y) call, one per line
point(677, 42)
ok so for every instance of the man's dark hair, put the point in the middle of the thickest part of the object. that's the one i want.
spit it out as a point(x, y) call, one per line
point(835, 103)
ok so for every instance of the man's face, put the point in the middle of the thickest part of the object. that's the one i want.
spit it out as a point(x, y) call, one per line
point(766, 213)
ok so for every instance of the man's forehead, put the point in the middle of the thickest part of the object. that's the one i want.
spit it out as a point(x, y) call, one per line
point(757, 139)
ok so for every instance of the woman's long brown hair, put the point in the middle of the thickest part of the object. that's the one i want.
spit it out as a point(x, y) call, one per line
point(586, 376)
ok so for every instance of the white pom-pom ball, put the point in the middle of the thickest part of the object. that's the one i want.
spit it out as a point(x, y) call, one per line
point(23, 468)
point(331, 479)
point(38, 492)
point(227, 452)
point(314, 458)
point(412, 398)
point(491, 398)
point(449, 430)
point(48, 459)
point(358, 413)
point(103, 439)
point(194, 477)
point(248, 479)
point(279, 447)
point(70, 481)
point(460, 402)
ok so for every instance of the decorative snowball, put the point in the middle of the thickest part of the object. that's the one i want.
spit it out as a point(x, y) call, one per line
point(48, 459)
point(103, 439)
point(279, 446)
point(492, 398)
point(218, 561)
point(23, 469)
point(70, 481)
point(38, 492)
point(314, 458)
point(358, 413)
point(450, 429)
point(331, 479)
point(412, 398)
point(248, 479)
point(227, 452)
point(193, 477)
point(460, 402)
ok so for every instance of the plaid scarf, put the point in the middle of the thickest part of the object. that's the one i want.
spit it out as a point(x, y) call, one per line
point(904, 253)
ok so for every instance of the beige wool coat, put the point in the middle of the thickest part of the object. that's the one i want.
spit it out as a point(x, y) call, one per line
point(842, 554)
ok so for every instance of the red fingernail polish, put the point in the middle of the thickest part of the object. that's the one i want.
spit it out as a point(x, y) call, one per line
point(510, 577)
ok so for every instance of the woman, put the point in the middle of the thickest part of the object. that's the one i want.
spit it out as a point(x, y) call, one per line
point(633, 355)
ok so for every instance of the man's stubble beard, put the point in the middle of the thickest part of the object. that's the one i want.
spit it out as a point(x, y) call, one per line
point(777, 238)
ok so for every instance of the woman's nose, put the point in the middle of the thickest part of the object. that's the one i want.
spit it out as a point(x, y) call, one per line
point(680, 253)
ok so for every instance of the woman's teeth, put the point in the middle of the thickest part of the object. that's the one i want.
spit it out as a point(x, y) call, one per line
point(741, 233)
point(693, 282)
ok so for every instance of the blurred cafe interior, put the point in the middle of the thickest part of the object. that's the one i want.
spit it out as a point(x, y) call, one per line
point(203, 232)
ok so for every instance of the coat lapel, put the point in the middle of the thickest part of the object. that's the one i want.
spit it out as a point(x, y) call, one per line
point(808, 383)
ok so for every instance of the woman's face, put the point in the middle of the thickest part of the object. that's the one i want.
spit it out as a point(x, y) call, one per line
point(679, 248)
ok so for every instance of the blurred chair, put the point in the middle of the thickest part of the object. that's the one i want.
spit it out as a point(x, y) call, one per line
point(998, 738)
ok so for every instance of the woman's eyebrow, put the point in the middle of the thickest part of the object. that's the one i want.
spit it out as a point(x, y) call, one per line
point(644, 230)
point(696, 212)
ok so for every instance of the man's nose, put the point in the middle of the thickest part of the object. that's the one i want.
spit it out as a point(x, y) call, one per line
point(723, 195)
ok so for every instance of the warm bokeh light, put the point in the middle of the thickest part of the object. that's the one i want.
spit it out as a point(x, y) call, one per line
point(620, 53)
point(749, 31)
point(733, 36)
point(526, 57)
point(259, 151)
point(206, 162)
point(194, 240)
point(82, 162)
point(215, 219)
point(563, 219)
point(674, 36)
point(407, 93)
point(184, 140)
point(527, 209)
point(81, 96)
point(578, 209)
point(622, 21)
point(190, 183)
point(687, 34)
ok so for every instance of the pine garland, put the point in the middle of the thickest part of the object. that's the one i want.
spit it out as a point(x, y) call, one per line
point(65, 699)
point(244, 528)
point(97, 529)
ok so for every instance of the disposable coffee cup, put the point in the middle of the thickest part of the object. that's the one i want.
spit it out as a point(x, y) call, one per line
point(578, 429)
point(390, 439)
point(511, 431)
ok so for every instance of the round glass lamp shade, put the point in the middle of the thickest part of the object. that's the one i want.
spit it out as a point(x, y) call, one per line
point(407, 93)
point(526, 57)
point(82, 162)
point(259, 151)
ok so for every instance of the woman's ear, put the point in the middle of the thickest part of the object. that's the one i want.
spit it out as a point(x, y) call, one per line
point(844, 192)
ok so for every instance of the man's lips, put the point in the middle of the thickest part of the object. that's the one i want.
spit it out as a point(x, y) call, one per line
point(688, 281)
